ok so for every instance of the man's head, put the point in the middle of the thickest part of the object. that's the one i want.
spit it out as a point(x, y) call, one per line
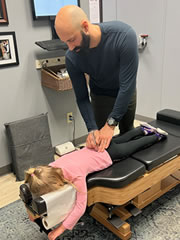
point(72, 27)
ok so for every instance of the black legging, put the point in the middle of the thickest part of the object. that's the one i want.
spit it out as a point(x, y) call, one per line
point(129, 143)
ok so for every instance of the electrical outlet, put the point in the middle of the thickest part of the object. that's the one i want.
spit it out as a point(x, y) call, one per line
point(69, 117)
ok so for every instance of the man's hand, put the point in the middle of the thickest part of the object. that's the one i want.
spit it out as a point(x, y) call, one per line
point(106, 134)
point(92, 140)
point(56, 232)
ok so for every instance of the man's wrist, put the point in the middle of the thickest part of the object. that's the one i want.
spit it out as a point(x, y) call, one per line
point(111, 122)
point(111, 127)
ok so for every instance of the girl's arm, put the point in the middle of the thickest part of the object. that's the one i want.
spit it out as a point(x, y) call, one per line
point(76, 213)
point(80, 204)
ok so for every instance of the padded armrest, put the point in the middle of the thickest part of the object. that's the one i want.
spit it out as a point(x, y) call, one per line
point(170, 116)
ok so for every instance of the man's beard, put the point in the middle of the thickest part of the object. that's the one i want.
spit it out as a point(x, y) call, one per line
point(84, 43)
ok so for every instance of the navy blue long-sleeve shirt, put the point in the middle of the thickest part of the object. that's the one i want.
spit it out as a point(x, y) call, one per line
point(112, 67)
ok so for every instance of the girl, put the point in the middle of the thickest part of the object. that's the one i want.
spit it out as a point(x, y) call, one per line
point(74, 167)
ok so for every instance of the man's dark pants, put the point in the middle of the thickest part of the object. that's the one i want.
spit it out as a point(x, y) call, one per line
point(102, 107)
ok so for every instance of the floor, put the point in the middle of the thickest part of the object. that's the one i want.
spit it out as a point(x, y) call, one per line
point(9, 188)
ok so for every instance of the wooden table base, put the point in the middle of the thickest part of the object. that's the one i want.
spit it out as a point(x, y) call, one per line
point(154, 184)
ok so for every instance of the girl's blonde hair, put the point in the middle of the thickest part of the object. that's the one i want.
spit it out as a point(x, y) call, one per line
point(44, 179)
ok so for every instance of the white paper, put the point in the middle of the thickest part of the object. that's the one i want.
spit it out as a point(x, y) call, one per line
point(59, 204)
point(94, 11)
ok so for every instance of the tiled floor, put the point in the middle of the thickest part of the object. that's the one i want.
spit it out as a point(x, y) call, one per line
point(9, 188)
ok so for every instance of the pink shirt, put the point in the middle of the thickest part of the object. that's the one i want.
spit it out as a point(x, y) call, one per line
point(76, 166)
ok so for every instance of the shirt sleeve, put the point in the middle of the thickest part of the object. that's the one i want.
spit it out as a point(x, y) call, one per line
point(80, 204)
point(82, 96)
point(128, 54)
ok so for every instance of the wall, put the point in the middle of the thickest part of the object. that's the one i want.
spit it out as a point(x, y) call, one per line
point(158, 75)
point(21, 93)
point(171, 69)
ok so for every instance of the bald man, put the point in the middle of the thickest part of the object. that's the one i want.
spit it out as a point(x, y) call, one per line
point(107, 52)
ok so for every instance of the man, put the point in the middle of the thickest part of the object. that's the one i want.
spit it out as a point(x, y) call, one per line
point(107, 52)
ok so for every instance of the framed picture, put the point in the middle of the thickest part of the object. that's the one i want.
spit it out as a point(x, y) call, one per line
point(3, 13)
point(8, 49)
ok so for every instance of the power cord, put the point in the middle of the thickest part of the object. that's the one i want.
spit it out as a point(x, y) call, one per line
point(71, 118)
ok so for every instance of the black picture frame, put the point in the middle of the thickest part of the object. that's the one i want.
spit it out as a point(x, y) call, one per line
point(8, 49)
point(3, 13)
point(101, 10)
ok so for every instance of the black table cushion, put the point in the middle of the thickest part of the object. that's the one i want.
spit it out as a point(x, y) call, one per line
point(126, 171)
point(118, 175)
point(159, 152)
point(169, 115)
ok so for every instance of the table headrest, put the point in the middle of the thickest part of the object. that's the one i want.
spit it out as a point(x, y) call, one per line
point(168, 115)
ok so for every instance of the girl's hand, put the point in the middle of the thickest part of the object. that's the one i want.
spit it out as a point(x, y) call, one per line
point(31, 218)
point(56, 232)
point(52, 235)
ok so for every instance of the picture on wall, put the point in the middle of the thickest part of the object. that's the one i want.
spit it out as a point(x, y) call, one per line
point(3, 13)
point(8, 49)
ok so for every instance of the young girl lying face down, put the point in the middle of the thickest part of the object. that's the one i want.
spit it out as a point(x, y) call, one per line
point(74, 167)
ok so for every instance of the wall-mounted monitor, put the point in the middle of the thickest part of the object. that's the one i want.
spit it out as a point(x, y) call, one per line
point(49, 8)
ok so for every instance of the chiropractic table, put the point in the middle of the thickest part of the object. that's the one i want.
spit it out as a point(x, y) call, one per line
point(125, 188)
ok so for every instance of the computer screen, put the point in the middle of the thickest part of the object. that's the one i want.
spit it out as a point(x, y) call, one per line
point(49, 8)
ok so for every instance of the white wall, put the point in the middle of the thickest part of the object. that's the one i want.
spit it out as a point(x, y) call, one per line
point(158, 75)
point(171, 69)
